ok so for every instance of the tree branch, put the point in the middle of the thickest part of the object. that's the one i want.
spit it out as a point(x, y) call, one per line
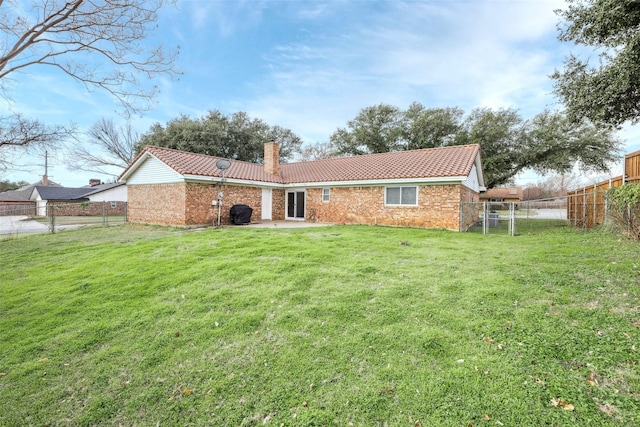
point(100, 41)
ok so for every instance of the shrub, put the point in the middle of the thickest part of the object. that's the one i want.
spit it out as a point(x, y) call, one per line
point(624, 209)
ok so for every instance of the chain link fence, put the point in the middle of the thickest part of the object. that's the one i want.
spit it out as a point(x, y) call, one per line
point(511, 219)
point(53, 217)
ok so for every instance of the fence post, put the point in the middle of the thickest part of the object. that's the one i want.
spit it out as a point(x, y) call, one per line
point(485, 219)
point(595, 212)
point(512, 219)
point(104, 213)
point(52, 219)
point(605, 214)
point(584, 207)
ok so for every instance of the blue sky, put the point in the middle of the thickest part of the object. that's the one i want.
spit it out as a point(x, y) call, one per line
point(311, 66)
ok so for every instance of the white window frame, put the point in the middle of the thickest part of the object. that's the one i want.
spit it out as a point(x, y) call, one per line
point(114, 205)
point(386, 190)
point(326, 194)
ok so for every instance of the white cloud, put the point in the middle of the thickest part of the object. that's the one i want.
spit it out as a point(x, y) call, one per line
point(467, 54)
point(225, 17)
point(312, 66)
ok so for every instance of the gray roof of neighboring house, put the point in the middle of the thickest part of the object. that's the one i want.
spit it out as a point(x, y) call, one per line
point(61, 193)
point(55, 191)
point(23, 194)
point(102, 187)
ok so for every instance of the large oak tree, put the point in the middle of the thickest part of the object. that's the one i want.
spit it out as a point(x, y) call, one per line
point(510, 144)
point(236, 136)
point(606, 91)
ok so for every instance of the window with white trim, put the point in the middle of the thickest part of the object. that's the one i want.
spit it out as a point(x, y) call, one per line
point(326, 194)
point(113, 205)
point(407, 196)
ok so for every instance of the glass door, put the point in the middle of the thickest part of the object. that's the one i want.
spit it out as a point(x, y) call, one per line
point(295, 205)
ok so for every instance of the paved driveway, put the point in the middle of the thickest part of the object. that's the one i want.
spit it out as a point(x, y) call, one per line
point(20, 224)
point(550, 214)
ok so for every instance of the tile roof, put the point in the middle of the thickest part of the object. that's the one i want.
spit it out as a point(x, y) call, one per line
point(454, 161)
point(186, 163)
point(427, 163)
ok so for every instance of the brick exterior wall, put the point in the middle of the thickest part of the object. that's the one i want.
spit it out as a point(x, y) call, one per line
point(278, 205)
point(161, 204)
point(199, 210)
point(438, 206)
point(470, 209)
point(86, 208)
point(189, 204)
point(17, 208)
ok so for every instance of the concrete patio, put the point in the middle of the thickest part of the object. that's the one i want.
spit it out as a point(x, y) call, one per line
point(284, 224)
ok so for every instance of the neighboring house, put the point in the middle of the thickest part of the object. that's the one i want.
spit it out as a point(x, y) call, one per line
point(44, 196)
point(78, 201)
point(418, 188)
point(114, 192)
point(502, 195)
point(18, 202)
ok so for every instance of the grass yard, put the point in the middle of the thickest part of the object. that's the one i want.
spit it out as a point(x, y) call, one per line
point(335, 326)
point(523, 226)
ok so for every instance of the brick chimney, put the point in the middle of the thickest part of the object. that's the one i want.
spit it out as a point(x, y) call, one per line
point(94, 182)
point(271, 158)
point(45, 180)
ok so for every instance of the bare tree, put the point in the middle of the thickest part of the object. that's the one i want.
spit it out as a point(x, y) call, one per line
point(20, 133)
point(318, 151)
point(108, 147)
point(98, 43)
point(557, 185)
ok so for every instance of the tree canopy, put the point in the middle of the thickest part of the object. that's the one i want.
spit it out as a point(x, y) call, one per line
point(374, 130)
point(608, 92)
point(236, 136)
point(510, 144)
point(430, 127)
point(10, 185)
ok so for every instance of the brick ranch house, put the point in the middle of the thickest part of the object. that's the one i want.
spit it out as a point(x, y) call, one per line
point(417, 188)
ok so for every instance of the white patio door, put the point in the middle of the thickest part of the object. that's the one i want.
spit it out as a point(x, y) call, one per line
point(295, 204)
point(267, 203)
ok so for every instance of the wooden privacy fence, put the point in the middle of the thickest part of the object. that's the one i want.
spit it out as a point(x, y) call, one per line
point(632, 167)
point(587, 206)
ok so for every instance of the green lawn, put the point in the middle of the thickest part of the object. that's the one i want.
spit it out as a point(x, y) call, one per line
point(335, 326)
